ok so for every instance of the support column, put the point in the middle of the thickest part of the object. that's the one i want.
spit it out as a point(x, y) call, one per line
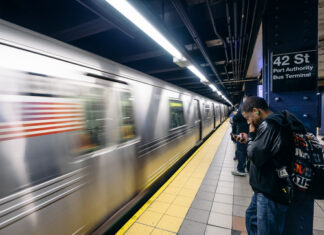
point(290, 58)
point(321, 130)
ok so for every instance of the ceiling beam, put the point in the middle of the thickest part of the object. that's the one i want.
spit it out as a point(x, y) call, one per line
point(189, 83)
point(176, 79)
point(239, 81)
point(153, 54)
point(209, 43)
point(179, 78)
point(101, 9)
point(198, 86)
point(164, 70)
point(142, 56)
point(84, 30)
point(235, 92)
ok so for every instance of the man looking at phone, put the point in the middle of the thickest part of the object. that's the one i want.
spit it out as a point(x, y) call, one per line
point(270, 144)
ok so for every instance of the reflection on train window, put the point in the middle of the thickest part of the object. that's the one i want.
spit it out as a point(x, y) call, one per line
point(208, 112)
point(127, 127)
point(176, 113)
point(92, 137)
point(196, 108)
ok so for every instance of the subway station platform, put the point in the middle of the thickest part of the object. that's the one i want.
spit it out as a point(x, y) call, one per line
point(203, 197)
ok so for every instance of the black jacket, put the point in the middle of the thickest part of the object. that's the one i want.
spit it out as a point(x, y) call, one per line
point(240, 123)
point(232, 124)
point(272, 144)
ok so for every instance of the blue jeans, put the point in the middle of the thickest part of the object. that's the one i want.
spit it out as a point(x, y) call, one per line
point(241, 154)
point(264, 216)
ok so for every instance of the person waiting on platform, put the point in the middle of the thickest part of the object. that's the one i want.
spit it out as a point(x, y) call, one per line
point(241, 126)
point(233, 113)
point(233, 125)
point(270, 144)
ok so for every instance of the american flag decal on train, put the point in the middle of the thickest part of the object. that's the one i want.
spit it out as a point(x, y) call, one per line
point(39, 118)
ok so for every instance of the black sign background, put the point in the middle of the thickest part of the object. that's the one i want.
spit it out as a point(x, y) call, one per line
point(295, 71)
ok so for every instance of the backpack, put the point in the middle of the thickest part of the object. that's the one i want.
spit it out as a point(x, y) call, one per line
point(307, 172)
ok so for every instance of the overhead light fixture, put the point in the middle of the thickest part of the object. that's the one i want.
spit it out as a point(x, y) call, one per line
point(195, 71)
point(182, 63)
point(127, 10)
point(212, 87)
point(218, 92)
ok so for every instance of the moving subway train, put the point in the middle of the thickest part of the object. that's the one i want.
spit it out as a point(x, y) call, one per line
point(81, 137)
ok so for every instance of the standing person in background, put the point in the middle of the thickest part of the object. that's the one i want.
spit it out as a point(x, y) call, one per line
point(236, 108)
point(233, 125)
point(241, 154)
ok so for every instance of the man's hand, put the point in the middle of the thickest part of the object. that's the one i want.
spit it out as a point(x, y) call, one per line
point(233, 137)
point(242, 138)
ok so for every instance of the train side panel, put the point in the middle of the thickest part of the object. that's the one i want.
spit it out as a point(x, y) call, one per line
point(79, 139)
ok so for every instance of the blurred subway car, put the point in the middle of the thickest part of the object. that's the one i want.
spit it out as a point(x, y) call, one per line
point(82, 137)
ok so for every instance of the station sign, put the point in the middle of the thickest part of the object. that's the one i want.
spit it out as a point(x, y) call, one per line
point(294, 71)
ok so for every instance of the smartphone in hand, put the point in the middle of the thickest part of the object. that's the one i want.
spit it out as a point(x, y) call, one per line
point(239, 138)
point(235, 136)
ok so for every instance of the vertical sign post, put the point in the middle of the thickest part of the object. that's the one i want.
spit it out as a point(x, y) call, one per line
point(290, 60)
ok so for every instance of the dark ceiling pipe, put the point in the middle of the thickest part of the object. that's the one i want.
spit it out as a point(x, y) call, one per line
point(185, 19)
point(246, 17)
point(229, 33)
point(244, 80)
point(240, 41)
point(218, 36)
point(235, 39)
point(252, 26)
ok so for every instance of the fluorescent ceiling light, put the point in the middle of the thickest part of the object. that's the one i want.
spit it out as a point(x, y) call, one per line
point(127, 10)
point(219, 93)
point(195, 71)
point(212, 87)
point(136, 18)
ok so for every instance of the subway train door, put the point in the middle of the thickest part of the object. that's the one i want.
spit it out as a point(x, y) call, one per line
point(221, 113)
point(198, 123)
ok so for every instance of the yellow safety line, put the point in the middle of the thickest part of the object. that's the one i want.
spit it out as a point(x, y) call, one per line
point(132, 220)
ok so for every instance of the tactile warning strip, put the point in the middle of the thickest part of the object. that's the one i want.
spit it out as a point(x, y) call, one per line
point(165, 211)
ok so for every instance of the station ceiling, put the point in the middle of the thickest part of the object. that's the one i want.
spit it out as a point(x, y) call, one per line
point(218, 35)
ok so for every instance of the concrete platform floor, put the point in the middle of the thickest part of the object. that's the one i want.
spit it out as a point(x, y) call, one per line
point(203, 197)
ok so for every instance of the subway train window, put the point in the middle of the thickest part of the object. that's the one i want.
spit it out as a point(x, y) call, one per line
point(208, 113)
point(127, 127)
point(95, 116)
point(176, 113)
point(92, 137)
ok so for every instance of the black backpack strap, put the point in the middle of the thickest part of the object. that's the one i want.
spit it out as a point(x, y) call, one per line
point(287, 188)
